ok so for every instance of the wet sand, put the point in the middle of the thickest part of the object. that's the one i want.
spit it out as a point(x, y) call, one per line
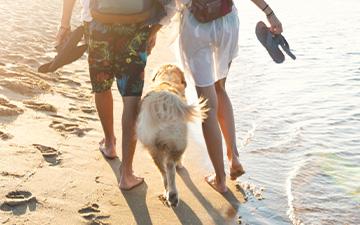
point(51, 171)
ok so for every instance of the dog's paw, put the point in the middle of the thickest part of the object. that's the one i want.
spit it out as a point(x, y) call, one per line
point(172, 199)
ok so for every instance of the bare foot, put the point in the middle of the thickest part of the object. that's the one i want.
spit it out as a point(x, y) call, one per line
point(211, 180)
point(129, 182)
point(236, 169)
point(108, 149)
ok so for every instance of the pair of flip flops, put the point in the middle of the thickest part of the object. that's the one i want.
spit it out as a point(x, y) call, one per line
point(68, 51)
point(271, 42)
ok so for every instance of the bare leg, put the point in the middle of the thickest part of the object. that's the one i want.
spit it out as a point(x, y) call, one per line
point(213, 139)
point(226, 119)
point(104, 105)
point(130, 110)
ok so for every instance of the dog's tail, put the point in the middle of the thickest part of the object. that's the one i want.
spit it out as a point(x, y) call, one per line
point(202, 108)
point(167, 106)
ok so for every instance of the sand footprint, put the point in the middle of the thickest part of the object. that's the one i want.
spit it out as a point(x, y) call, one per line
point(50, 154)
point(87, 118)
point(8, 109)
point(28, 86)
point(88, 109)
point(84, 109)
point(92, 213)
point(69, 82)
point(40, 106)
point(4, 136)
point(64, 118)
point(19, 201)
point(66, 127)
point(77, 95)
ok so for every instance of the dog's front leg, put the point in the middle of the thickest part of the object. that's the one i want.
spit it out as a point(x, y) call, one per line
point(172, 194)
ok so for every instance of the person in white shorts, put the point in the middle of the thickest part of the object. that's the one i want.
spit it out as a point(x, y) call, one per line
point(207, 50)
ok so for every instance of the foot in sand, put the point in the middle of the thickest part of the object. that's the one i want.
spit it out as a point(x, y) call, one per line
point(108, 148)
point(236, 169)
point(128, 182)
point(219, 187)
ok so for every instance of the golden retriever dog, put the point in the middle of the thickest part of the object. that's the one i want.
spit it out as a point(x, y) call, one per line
point(162, 124)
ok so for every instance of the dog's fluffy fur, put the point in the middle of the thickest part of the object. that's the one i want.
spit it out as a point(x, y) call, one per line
point(162, 124)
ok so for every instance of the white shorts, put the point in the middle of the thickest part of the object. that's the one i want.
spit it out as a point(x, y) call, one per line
point(207, 49)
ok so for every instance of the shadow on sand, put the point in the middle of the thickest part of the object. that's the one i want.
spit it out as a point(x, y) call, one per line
point(135, 198)
point(214, 213)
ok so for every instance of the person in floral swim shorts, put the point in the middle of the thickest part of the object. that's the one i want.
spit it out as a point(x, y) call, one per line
point(117, 51)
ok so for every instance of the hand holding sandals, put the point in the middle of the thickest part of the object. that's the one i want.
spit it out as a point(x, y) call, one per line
point(275, 24)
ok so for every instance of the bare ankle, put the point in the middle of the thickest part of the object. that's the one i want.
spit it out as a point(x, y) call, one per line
point(126, 171)
point(217, 183)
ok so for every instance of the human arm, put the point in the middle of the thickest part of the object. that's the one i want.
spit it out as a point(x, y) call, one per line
point(275, 24)
point(152, 37)
point(65, 27)
point(170, 9)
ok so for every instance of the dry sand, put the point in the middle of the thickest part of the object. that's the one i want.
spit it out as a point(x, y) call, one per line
point(51, 171)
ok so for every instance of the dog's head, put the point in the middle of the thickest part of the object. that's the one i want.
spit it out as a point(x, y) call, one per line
point(171, 75)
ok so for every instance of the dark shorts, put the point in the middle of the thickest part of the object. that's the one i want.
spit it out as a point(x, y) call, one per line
point(117, 51)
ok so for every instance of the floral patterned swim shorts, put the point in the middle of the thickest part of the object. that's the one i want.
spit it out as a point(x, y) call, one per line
point(117, 51)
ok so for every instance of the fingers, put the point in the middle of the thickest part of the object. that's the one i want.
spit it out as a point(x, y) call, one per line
point(276, 29)
point(275, 25)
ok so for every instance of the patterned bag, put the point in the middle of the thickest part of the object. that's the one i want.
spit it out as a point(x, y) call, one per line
point(208, 10)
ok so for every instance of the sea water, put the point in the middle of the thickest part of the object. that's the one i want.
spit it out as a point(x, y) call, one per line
point(298, 123)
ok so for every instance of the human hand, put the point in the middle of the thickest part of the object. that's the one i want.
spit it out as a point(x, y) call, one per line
point(61, 35)
point(275, 24)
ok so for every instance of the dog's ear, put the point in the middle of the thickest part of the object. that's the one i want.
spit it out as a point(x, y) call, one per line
point(184, 82)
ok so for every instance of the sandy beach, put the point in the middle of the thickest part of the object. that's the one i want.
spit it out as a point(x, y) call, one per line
point(297, 128)
point(51, 171)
